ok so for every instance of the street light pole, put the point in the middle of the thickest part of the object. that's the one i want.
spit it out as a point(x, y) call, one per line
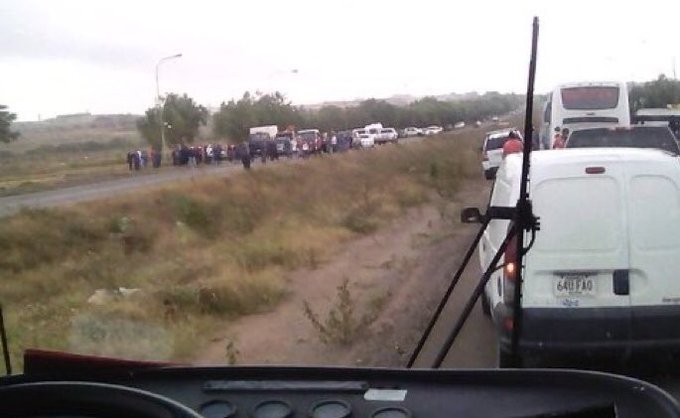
point(160, 101)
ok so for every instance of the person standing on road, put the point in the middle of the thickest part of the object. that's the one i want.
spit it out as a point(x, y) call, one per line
point(334, 143)
point(513, 144)
point(245, 156)
point(563, 138)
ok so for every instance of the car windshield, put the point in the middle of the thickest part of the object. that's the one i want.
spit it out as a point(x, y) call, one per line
point(307, 136)
point(312, 241)
point(637, 137)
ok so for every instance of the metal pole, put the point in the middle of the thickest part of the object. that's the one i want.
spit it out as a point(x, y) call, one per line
point(5, 347)
point(161, 103)
point(525, 219)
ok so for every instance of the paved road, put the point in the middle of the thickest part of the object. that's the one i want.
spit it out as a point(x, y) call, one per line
point(475, 347)
point(105, 189)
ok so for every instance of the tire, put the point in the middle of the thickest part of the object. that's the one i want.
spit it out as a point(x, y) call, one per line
point(505, 360)
point(489, 174)
point(486, 305)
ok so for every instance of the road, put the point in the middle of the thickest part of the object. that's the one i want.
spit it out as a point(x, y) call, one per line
point(105, 189)
point(475, 347)
point(110, 188)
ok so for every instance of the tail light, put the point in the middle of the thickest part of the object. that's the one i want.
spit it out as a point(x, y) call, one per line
point(510, 271)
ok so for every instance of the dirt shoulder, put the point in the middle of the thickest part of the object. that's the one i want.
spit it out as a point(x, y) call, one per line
point(403, 269)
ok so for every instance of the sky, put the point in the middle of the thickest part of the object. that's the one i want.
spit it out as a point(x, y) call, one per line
point(72, 56)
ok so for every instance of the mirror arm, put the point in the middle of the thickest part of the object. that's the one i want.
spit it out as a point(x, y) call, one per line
point(500, 212)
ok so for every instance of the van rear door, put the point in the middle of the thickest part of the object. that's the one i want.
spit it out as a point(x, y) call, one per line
point(568, 292)
point(654, 276)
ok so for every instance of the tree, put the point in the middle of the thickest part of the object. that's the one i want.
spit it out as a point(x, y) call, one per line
point(658, 93)
point(182, 118)
point(234, 118)
point(6, 119)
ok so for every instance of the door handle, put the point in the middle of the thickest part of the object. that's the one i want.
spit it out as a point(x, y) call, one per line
point(621, 282)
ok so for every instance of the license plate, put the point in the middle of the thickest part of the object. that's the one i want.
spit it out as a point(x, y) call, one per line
point(574, 285)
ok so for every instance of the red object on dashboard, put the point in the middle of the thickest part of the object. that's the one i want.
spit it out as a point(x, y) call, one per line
point(45, 361)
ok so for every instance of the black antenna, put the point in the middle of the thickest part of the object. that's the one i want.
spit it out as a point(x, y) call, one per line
point(5, 348)
point(525, 217)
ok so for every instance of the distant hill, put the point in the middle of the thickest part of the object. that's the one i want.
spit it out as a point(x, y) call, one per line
point(73, 128)
point(397, 100)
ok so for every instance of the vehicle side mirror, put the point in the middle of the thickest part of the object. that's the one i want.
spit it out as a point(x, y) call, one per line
point(471, 216)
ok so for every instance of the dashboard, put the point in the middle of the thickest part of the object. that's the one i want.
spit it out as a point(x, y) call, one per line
point(283, 392)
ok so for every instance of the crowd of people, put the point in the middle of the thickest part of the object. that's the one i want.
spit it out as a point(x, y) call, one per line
point(139, 159)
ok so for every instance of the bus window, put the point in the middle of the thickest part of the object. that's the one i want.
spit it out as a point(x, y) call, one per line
point(590, 98)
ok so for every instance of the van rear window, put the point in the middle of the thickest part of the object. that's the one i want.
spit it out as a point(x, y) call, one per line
point(495, 142)
point(579, 214)
point(590, 98)
point(637, 137)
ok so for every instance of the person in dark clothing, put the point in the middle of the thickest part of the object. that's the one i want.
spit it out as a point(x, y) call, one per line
point(155, 158)
point(136, 160)
point(217, 153)
point(245, 156)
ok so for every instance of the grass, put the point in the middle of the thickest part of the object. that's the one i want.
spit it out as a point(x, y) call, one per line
point(54, 153)
point(206, 251)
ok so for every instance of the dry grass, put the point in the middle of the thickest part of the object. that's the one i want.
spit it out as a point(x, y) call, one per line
point(207, 251)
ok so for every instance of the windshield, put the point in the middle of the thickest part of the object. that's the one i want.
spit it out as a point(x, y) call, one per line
point(648, 137)
point(144, 216)
point(308, 136)
point(590, 98)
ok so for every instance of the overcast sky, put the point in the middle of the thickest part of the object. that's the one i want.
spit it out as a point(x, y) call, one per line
point(74, 56)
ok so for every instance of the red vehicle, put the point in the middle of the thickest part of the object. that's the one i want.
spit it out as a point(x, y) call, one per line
point(310, 141)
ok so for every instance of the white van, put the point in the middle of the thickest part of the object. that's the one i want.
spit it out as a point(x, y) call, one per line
point(492, 151)
point(604, 271)
point(587, 104)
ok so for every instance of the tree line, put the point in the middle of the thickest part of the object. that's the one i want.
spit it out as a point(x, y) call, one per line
point(234, 118)
point(183, 117)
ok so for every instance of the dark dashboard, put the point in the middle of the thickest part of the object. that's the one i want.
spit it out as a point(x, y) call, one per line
point(278, 392)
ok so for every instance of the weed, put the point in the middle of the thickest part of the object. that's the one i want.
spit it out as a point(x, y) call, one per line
point(231, 352)
point(341, 326)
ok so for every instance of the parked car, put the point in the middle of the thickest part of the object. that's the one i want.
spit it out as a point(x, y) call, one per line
point(366, 141)
point(432, 130)
point(311, 141)
point(492, 151)
point(412, 131)
point(292, 139)
point(602, 272)
point(459, 125)
point(284, 146)
point(386, 135)
point(257, 144)
point(638, 136)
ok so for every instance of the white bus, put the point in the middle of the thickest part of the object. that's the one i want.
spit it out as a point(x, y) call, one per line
point(588, 104)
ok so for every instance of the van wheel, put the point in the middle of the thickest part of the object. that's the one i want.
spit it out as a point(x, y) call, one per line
point(489, 175)
point(486, 305)
point(505, 360)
